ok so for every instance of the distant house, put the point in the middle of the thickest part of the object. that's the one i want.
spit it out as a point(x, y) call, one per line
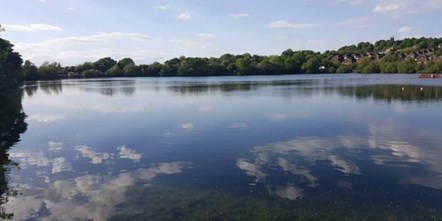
point(348, 60)
point(432, 57)
point(412, 55)
point(421, 59)
point(401, 55)
point(380, 54)
point(337, 59)
point(370, 55)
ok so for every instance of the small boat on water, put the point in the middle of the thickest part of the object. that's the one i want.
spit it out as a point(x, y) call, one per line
point(427, 75)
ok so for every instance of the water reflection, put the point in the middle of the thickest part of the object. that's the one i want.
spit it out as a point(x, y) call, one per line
point(355, 86)
point(86, 197)
point(394, 92)
point(405, 91)
point(103, 87)
point(347, 154)
point(108, 87)
point(12, 124)
point(51, 87)
point(264, 148)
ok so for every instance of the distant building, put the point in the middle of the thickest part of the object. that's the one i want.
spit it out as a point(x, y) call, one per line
point(421, 59)
point(348, 60)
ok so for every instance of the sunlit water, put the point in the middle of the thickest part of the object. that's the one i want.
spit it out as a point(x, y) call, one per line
point(323, 147)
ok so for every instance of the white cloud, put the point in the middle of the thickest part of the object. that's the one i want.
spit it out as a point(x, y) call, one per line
point(163, 7)
point(77, 49)
point(46, 118)
point(32, 27)
point(103, 36)
point(187, 126)
point(382, 8)
point(397, 8)
point(72, 8)
point(355, 22)
point(239, 15)
point(405, 29)
point(205, 35)
point(184, 16)
point(187, 43)
point(286, 24)
point(351, 2)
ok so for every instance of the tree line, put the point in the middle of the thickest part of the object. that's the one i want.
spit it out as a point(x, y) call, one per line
point(412, 55)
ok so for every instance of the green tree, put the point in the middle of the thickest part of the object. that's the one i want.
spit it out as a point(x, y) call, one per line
point(372, 67)
point(407, 66)
point(362, 63)
point(152, 70)
point(215, 66)
point(228, 63)
point(125, 61)
point(83, 67)
point(49, 70)
point(10, 65)
point(344, 68)
point(388, 67)
point(170, 67)
point(278, 65)
point(131, 70)
point(91, 73)
point(194, 67)
point(104, 64)
point(433, 66)
point(29, 71)
point(114, 71)
point(312, 65)
point(245, 65)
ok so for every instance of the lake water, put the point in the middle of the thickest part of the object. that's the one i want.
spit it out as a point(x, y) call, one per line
point(318, 147)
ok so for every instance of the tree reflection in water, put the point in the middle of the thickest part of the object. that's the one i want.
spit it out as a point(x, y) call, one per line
point(12, 124)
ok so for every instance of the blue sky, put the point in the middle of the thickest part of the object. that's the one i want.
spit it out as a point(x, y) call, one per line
point(75, 31)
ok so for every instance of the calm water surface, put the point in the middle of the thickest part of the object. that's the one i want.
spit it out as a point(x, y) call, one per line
point(325, 147)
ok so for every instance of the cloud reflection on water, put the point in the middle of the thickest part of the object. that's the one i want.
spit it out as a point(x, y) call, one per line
point(86, 197)
point(127, 153)
point(27, 158)
point(55, 146)
point(386, 147)
point(96, 157)
point(239, 125)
